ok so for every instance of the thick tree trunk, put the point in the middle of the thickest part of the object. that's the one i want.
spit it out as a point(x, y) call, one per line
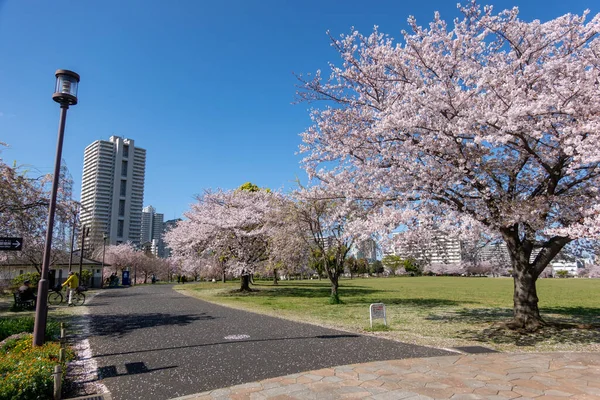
point(526, 311)
point(275, 281)
point(245, 283)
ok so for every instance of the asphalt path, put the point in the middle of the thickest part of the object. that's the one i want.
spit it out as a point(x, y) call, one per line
point(150, 342)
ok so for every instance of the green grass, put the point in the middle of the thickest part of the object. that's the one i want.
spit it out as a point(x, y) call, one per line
point(437, 311)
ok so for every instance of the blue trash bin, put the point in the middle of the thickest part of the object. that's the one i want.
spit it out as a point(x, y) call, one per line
point(125, 280)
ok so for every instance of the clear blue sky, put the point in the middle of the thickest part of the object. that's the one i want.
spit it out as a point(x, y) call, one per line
point(205, 86)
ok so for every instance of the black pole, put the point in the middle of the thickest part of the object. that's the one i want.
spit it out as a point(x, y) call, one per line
point(72, 240)
point(83, 232)
point(102, 270)
point(41, 310)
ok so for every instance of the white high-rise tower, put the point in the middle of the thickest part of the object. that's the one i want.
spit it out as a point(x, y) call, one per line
point(152, 230)
point(112, 190)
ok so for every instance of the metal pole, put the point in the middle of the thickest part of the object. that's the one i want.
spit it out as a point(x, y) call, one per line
point(72, 240)
point(41, 310)
point(83, 232)
point(102, 270)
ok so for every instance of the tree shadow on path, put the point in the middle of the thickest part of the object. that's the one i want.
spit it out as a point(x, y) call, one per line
point(120, 325)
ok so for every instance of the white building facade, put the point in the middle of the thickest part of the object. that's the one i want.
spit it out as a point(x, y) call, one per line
point(439, 248)
point(112, 190)
point(152, 230)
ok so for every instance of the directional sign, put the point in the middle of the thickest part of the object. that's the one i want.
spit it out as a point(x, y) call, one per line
point(11, 243)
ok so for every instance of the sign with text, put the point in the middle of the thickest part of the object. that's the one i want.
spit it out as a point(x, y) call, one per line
point(11, 243)
point(377, 310)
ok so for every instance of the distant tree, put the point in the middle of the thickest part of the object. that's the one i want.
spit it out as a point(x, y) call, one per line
point(376, 267)
point(562, 273)
point(392, 262)
point(351, 265)
point(362, 266)
point(412, 267)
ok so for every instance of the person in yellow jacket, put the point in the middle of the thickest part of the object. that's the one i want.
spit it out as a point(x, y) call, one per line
point(73, 283)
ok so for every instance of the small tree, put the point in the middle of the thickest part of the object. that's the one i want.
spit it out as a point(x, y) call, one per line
point(376, 267)
point(392, 262)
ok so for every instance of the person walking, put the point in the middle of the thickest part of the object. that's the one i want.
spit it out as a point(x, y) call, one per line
point(72, 284)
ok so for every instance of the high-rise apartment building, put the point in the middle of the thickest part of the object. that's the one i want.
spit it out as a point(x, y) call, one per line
point(112, 190)
point(152, 230)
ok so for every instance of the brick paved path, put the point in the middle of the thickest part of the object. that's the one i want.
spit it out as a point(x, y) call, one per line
point(484, 376)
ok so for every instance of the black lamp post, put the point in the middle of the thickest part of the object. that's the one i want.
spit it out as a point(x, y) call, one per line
point(65, 93)
point(104, 237)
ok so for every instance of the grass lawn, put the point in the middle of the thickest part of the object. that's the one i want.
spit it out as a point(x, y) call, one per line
point(434, 311)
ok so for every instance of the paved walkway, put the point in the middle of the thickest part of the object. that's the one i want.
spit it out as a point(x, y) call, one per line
point(482, 376)
point(150, 342)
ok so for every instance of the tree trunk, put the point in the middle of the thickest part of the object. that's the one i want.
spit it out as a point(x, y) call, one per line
point(525, 299)
point(334, 287)
point(245, 283)
point(275, 282)
point(223, 276)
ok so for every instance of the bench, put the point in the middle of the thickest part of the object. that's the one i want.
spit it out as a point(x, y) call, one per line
point(21, 304)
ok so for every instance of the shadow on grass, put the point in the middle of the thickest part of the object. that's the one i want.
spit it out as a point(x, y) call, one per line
point(301, 292)
point(348, 295)
point(554, 333)
point(119, 326)
point(576, 325)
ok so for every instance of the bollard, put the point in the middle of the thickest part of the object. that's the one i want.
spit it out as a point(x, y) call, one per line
point(57, 381)
point(63, 339)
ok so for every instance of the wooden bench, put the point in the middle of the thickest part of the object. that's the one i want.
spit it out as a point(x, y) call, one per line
point(21, 304)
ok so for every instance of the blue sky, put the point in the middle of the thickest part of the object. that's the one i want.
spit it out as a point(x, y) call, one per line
point(207, 88)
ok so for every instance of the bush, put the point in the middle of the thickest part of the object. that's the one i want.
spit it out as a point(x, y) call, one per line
point(86, 277)
point(26, 371)
point(17, 282)
point(12, 326)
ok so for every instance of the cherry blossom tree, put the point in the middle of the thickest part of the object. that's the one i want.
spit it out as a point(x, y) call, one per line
point(121, 256)
point(288, 248)
point(324, 223)
point(24, 212)
point(230, 225)
point(494, 121)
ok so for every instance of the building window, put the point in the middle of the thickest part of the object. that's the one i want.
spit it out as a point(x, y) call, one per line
point(123, 168)
point(126, 150)
point(123, 188)
point(121, 208)
point(120, 228)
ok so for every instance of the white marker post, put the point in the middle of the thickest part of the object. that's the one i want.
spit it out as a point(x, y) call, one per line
point(377, 310)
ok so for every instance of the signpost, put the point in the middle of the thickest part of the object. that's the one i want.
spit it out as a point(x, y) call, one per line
point(377, 310)
point(11, 243)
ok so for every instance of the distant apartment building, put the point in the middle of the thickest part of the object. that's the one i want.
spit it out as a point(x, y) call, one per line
point(364, 249)
point(438, 249)
point(112, 190)
point(152, 231)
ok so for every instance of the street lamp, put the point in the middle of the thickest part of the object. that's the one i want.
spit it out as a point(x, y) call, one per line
point(65, 93)
point(104, 237)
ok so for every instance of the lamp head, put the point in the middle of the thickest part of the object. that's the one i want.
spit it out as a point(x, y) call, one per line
point(65, 91)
